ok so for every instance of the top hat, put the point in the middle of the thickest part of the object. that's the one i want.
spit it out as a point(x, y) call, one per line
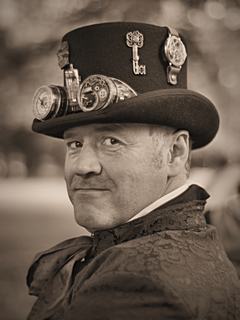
point(124, 72)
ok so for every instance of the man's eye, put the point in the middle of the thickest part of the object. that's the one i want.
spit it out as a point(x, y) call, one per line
point(73, 145)
point(110, 141)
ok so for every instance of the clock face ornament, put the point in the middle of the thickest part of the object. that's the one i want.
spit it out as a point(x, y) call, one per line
point(96, 92)
point(175, 51)
point(176, 54)
point(99, 91)
point(49, 102)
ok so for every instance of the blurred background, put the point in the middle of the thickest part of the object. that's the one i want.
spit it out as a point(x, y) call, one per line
point(34, 209)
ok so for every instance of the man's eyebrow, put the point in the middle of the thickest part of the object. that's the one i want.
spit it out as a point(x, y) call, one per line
point(101, 128)
point(111, 127)
point(67, 135)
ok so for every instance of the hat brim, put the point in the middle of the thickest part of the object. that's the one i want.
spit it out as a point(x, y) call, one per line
point(177, 108)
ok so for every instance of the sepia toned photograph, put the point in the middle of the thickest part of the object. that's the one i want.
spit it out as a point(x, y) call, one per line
point(120, 160)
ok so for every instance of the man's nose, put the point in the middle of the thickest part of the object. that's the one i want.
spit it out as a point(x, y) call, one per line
point(88, 162)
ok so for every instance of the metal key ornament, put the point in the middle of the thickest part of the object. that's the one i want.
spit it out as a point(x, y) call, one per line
point(135, 40)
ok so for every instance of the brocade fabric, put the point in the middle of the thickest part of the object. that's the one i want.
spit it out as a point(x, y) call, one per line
point(168, 264)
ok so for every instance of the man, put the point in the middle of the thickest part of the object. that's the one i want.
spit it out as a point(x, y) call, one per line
point(129, 123)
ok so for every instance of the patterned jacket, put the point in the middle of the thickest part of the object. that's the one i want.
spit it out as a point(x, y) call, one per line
point(167, 265)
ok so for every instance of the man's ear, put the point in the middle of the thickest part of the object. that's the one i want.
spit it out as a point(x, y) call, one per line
point(178, 153)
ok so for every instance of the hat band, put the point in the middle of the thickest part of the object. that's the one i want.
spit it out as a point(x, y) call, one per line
point(95, 92)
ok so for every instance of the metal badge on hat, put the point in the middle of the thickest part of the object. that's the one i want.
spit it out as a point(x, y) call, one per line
point(135, 40)
point(176, 54)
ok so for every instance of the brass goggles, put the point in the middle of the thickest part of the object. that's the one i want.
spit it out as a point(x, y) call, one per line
point(94, 93)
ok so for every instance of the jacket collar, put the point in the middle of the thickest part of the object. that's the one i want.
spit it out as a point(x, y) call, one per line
point(184, 212)
point(52, 272)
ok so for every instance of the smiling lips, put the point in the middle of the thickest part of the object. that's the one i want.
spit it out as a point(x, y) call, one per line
point(90, 189)
point(90, 192)
point(90, 185)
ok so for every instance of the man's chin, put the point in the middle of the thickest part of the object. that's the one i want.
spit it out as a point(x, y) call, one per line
point(93, 219)
point(93, 226)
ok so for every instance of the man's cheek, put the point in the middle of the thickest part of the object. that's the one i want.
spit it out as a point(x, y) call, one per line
point(68, 176)
point(128, 183)
point(68, 171)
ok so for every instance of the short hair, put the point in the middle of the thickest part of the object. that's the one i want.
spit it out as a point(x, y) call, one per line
point(157, 131)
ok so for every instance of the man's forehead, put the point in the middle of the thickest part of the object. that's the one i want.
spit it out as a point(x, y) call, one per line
point(96, 127)
point(116, 127)
point(108, 127)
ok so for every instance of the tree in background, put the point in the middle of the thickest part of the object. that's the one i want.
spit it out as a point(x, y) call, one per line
point(30, 32)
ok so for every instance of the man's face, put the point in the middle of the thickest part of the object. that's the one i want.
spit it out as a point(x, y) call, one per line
point(113, 171)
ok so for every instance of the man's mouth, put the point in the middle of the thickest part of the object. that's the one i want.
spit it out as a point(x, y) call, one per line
point(89, 193)
point(90, 189)
point(89, 186)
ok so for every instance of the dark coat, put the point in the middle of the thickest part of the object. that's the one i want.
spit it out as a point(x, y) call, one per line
point(166, 265)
